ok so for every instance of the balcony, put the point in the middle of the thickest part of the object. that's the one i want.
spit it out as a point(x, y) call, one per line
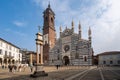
point(8, 56)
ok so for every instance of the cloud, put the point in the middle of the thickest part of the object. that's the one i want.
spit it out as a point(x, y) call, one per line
point(102, 15)
point(19, 24)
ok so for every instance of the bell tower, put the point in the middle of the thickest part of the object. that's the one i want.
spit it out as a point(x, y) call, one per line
point(49, 34)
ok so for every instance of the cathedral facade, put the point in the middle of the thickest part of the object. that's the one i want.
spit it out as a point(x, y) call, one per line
point(70, 48)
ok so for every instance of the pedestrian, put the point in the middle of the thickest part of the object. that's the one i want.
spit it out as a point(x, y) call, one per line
point(10, 68)
point(15, 68)
point(3, 66)
point(57, 66)
point(31, 68)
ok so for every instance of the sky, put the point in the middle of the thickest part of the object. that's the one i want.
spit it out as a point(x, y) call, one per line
point(19, 21)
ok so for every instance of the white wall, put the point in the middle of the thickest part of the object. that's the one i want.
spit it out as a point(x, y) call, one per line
point(107, 58)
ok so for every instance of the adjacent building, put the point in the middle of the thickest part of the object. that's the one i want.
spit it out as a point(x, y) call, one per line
point(24, 53)
point(109, 58)
point(9, 53)
point(29, 57)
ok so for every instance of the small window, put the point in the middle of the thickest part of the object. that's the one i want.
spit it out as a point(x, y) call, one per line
point(111, 62)
point(52, 20)
point(0, 51)
point(104, 62)
point(85, 58)
point(5, 52)
point(118, 61)
point(46, 18)
point(9, 53)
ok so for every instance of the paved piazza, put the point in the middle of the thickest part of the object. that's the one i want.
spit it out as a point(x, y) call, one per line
point(66, 73)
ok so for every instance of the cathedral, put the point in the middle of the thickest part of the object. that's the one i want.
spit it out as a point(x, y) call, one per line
point(70, 48)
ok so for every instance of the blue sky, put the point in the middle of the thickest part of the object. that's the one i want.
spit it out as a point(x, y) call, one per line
point(19, 20)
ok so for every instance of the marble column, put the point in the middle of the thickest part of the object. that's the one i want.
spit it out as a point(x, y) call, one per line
point(37, 58)
point(31, 61)
point(41, 52)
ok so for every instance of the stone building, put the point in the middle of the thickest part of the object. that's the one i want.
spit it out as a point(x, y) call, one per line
point(31, 57)
point(109, 58)
point(71, 48)
point(9, 53)
point(28, 57)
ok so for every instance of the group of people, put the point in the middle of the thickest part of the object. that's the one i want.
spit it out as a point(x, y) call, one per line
point(14, 68)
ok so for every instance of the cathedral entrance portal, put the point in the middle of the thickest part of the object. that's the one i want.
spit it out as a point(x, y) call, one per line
point(66, 60)
point(0, 61)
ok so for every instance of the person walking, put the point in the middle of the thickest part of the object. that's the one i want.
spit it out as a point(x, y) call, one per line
point(10, 68)
point(31, 68)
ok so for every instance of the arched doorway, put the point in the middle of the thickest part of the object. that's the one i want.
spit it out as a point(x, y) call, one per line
point(66, 60)
point(5, 61)
point(1, 61)
point(13, 61)
point(9, 61)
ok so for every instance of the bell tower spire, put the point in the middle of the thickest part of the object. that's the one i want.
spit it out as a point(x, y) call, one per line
point(79, 30)
point(60, 30)
point(49, 5)
point(89, 35)
point(72, 24)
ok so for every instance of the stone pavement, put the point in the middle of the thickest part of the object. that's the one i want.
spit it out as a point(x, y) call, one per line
point(53, 73)
point(66, 73)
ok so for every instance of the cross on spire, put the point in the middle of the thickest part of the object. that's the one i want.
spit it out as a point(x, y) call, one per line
point(49, 5)
point(39, 28)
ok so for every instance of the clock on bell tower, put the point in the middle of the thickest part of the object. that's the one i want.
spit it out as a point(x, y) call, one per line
point(49, 34)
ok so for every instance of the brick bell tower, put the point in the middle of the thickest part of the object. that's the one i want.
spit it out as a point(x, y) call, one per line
point(49, 34)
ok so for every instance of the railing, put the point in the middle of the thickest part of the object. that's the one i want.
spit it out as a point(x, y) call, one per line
point(8, 56)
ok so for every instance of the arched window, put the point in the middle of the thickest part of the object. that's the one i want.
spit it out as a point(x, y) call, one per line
point(52, 20)
point(111, 62)
point(58, 57)
point(104, 62)
point(85, 58)
point(46, 18)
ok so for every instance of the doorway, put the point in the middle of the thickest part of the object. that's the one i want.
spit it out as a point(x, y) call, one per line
point(1, 61)
point(66, 60)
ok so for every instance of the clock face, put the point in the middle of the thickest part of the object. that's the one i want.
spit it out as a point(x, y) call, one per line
point(66, 48)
